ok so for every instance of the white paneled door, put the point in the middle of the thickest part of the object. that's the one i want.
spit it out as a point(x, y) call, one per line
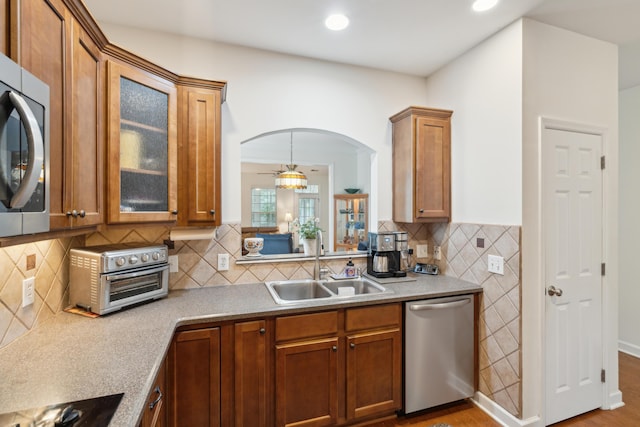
point(572, 232)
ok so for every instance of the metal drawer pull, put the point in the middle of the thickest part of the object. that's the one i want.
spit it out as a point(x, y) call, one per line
point(158, 399)
point(334, 348)
point(452, 304)
point(263, 331)
point(352, 345)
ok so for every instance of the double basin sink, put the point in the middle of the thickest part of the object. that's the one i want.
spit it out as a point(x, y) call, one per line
point(293, 291)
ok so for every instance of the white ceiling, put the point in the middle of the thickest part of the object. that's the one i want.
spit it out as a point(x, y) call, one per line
point(409, 36)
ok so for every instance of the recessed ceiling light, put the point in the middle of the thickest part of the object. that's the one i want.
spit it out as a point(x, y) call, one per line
point(482, 5)
point(337, 22)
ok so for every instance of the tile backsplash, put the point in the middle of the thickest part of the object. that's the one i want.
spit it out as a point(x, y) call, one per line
point(461, 257)
point(500, 316)
point(51, 274)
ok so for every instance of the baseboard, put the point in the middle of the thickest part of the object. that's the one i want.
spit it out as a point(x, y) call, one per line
point(501, 416)
point(627, 347)
point(615, 400)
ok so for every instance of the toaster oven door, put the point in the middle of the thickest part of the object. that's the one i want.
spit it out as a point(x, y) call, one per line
point(133, 286)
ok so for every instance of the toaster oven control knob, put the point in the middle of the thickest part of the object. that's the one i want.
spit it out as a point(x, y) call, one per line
point(120, 261)
point(133, 259)
point(156, 256)
point(144, 257)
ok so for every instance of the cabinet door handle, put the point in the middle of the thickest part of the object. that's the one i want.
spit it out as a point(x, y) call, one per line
point(212, 211)
point(352, 345)
point(334, 348)
point(263, 331)
point(174, 212)
point(82, 213)
point(74, 213)
point(421, 210)
point(158, 399)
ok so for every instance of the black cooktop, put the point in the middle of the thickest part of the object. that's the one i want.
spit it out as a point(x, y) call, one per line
point(95, 412)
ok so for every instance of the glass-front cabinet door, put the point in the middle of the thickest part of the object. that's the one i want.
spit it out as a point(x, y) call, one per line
point(142, 146)
point(351, 225)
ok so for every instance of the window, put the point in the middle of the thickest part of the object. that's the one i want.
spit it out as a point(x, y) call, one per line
point(263, 207)
point(307, 209)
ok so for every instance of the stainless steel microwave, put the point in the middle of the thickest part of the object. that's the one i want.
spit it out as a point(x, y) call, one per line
point(24, 151)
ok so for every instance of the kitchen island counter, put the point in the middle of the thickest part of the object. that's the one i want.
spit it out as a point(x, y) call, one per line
point(71, 357)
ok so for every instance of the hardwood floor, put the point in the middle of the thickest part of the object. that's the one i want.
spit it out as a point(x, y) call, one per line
point(468, 415)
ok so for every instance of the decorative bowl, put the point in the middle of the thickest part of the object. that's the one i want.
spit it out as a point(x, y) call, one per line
point(352, 190)
point(254, 245)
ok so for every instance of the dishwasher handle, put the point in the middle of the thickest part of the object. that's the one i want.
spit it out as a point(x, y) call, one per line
point(439, 306)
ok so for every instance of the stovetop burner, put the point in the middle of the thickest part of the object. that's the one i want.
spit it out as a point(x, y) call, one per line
point(95, 412)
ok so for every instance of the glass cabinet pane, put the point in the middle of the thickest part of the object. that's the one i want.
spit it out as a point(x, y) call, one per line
point(350, 222)
point(143, 148)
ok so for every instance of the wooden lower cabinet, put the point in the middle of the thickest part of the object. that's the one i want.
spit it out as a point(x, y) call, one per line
point(155, 410)
point(195, 382)
point(252, 385)
point(327, 368)
point(374, 373)
point(341, 377)
point(307, 383)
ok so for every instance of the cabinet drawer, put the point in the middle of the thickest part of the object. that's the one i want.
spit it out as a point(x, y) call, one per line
point(306, 325)
point(379, 316)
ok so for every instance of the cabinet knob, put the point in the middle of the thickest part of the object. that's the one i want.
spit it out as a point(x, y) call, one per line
point(174, 212)
point(74, 213)
point(263, 331)
point(212, 211)
point(68, 213)
point(334, 348)
point(352, 345)
point(421, 210)
point(82, 213)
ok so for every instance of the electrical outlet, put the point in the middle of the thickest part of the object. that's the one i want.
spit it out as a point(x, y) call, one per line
point(28, 292)
point(173, 263)
point(223, 262)
point(437, 253)
point(495, 264)
point(422, 251)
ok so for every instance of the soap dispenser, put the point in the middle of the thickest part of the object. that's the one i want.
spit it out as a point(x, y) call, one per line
point(350, 269)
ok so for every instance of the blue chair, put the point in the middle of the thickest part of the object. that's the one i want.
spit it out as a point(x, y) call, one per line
point(276, 243)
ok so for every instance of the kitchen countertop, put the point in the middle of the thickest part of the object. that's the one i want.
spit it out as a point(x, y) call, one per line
point(71, 357)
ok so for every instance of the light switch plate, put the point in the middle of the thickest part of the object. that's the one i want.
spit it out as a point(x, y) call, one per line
point(422, 251)
point(495, 264)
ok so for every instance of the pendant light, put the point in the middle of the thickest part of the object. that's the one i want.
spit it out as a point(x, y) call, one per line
point(291, 178)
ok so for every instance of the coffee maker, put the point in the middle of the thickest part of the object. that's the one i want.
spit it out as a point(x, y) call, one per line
point(383, 259)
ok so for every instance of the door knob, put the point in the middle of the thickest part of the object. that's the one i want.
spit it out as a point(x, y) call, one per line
point(552, 290)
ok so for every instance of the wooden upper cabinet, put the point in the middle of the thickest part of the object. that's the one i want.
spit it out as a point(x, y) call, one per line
point(55, 48)
point(422, 165)
point(5, 27)
point(199, 154)
point(142, 147)
point(84, 172)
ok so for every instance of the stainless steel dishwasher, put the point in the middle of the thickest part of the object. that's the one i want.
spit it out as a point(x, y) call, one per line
point(438, 352)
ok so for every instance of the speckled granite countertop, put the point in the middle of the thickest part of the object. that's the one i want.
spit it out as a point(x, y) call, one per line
point(71, 357)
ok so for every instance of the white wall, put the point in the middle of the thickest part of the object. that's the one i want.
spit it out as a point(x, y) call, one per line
point(574, 78)
point(629, 315)
point(483, 88)
point(269, 91)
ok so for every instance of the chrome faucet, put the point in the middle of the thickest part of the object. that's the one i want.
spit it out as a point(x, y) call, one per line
point(319, 273)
